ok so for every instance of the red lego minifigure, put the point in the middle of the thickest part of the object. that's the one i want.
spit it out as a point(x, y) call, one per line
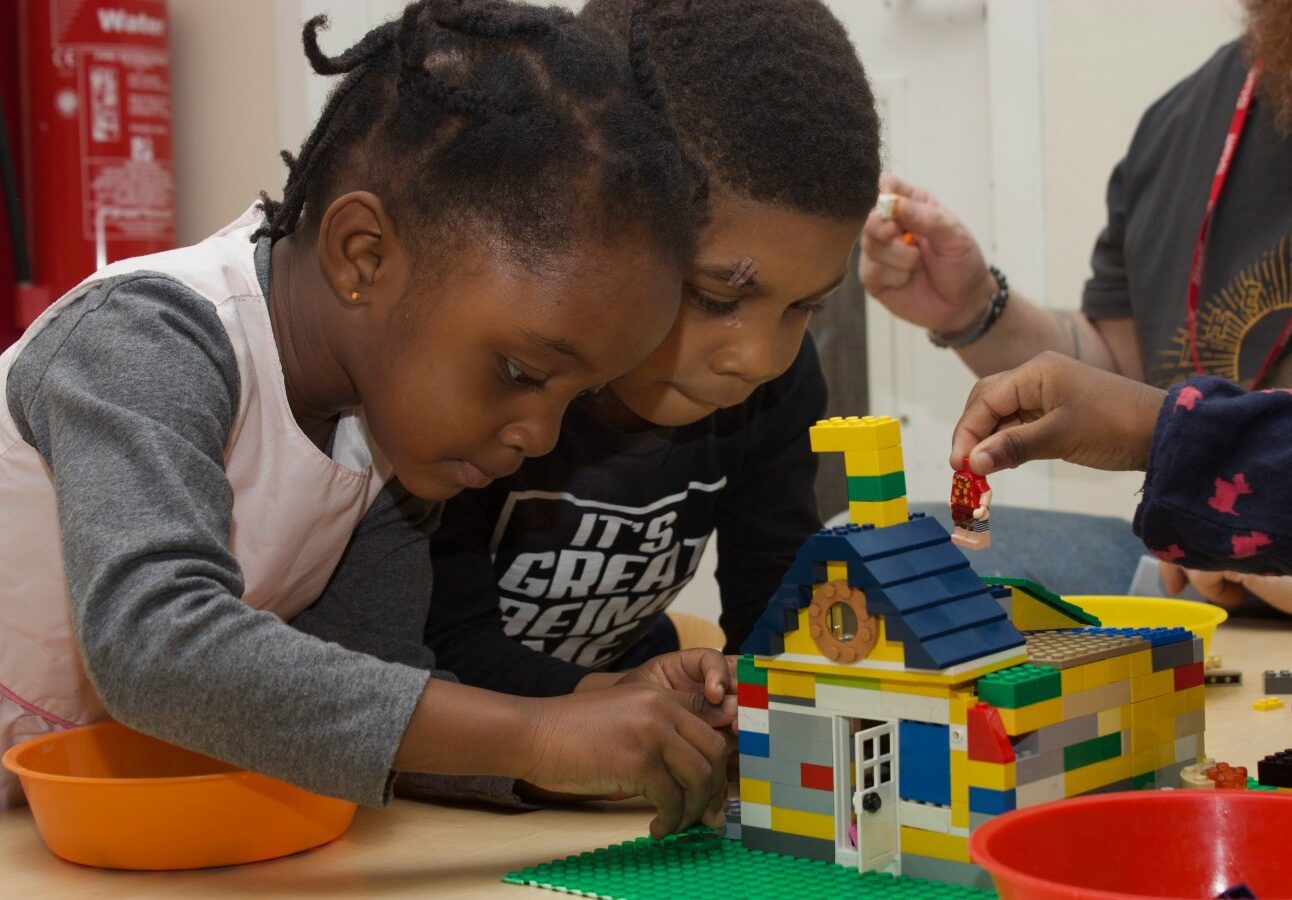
point(970, 509)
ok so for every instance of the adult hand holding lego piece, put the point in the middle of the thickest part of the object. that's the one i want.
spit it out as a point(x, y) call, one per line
point(1054, 407)
point(940, 281)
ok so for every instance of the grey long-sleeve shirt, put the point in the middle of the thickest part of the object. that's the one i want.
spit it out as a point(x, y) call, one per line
point(129, 398)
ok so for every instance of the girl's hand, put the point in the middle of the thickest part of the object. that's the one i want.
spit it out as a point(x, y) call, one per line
point(629, 739)
point(1054, 407)
point(701, 671)
point(1227, 589)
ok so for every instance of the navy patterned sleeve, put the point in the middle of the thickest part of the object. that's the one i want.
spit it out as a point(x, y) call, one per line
point(1219, 479)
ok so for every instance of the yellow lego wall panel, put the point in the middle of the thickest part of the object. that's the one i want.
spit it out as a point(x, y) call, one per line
point(923, 690)
point(813, 825)
point(959, 789)
point(1096, 775)
point(880, 513)
point(841, 434)
point(930, 843)
point(754, 790)
point(1031, 717)
point(886, 650)
point(836, 571)
point(873, 462)
point(1029, 614)
point(792, 684)
point(997, 776)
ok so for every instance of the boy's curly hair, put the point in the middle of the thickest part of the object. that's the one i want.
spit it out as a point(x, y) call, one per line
point(511, 123)
point(768, 93)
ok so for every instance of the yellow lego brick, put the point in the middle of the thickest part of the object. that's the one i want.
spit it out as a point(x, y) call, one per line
point(1098, 673)
point(960, 703)
point(1096, 775)
point(839, 434)
point(872, 462)
point(997, 776)
point(1155, 684)
point(1140, 662)
point(1118, 668)
point(1073, 680)
point(1192, 699)
point(1265, 704)
point(836, 571)
point(959, 789)
point(792, 684)
point(886, 650)
point(754, 790)
point(1033, 716)
point(792, 821)
point(1110, 720)
point(880, 513)
point(930, 843)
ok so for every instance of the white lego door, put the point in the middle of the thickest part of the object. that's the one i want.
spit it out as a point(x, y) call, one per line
point(875, 797)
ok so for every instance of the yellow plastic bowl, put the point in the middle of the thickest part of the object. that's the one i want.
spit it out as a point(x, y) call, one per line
point(1155, 612)
point(107, 796)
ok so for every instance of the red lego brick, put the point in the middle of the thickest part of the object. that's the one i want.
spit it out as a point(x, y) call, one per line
point(1188, 676)
point(988, 741)
point(753, 696)
point(819, 777)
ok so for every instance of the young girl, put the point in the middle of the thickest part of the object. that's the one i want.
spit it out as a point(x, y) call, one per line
point(1216, 456)
point(567, 566)
point(490, 217)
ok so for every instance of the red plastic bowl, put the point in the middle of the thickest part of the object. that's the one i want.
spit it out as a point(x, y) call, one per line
point(1185, 843)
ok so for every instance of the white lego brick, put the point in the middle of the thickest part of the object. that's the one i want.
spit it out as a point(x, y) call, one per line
point(753, 720)
point(959, 737)
point(755, 815)
point(925, 816)
point(875, 704)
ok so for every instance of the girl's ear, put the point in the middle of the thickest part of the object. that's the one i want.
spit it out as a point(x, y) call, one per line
point(357, 248)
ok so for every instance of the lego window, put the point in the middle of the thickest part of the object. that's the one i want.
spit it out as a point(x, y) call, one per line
point(840, 625)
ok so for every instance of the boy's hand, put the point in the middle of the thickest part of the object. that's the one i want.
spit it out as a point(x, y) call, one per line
point(635, 739)
point(1054, 407)
point(1227, 589)
point(707, 672)
point(941, 281)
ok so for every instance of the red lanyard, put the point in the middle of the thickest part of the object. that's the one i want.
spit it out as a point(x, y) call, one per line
point(1199, 249)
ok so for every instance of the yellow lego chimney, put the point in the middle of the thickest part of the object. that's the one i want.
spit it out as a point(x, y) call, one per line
point(872, 460)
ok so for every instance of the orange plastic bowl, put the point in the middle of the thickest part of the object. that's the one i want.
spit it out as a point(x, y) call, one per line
point(107, 796)
point(1184, 843)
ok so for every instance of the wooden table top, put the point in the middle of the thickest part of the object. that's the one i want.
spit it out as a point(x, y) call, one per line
point(413, 849)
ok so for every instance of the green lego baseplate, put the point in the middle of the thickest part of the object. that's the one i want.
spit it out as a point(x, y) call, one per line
point(701, 864)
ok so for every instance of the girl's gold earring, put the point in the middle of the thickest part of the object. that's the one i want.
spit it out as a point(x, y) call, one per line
point(354, 296)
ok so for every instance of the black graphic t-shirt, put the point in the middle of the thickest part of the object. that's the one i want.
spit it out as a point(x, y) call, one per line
point(578, 554)
point(1156, 199)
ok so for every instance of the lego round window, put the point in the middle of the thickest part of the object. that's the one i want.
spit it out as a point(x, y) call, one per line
point(840, 625)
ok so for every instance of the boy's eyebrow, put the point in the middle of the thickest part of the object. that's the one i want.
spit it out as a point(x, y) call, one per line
point(724, 273)
point(559, 345)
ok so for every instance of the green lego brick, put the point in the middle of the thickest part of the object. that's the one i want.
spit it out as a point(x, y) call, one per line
point(748, 673)
point(1020, 685)
point(1146, 781)
point(1254, 785)
point(877, 487)
point(866, 684)
point(700, 865)
point(1049, 598)
point(1092, 751)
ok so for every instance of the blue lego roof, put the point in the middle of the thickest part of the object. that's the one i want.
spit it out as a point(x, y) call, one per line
point(933, 601)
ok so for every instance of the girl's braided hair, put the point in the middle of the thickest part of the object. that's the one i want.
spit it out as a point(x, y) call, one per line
point(506, 122)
